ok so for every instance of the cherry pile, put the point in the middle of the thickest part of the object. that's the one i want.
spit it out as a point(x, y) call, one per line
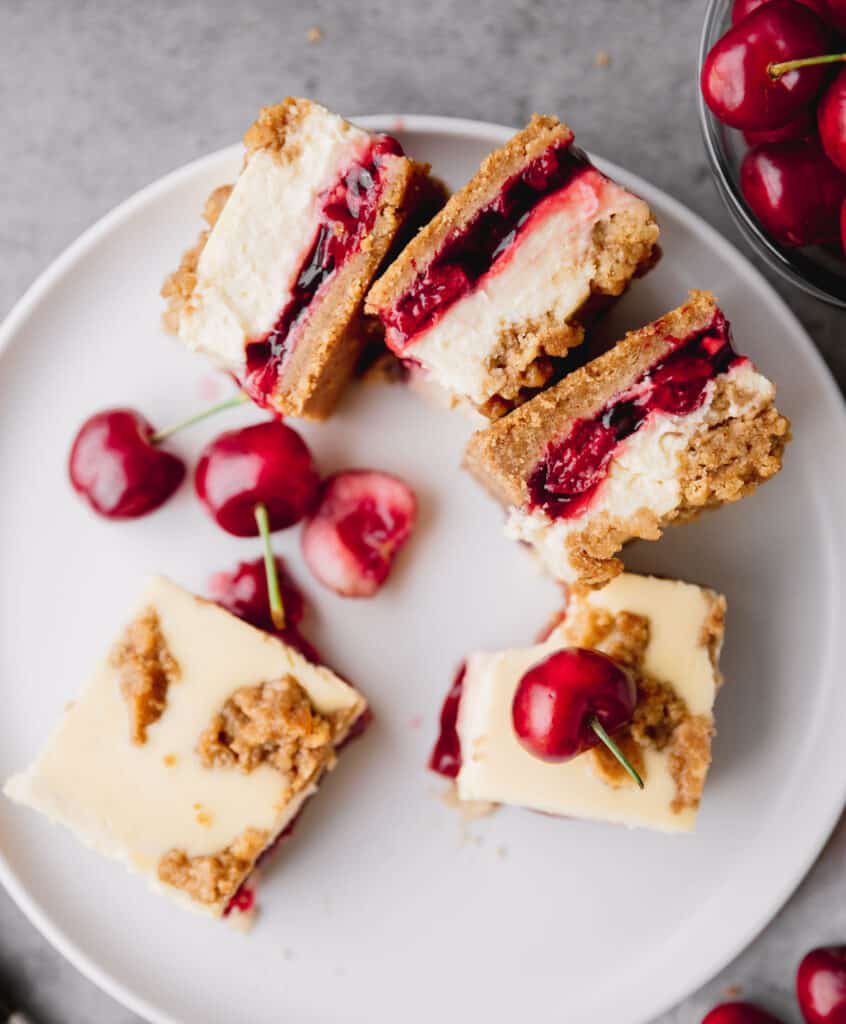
point(777, 76)
point(820, 992)
point(253, 482)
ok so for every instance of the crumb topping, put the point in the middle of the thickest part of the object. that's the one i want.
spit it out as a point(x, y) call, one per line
point(275, 124)
point(213, 878)
point(273, 723)
point(179, 286)
point(146, 668)
point(662, 719)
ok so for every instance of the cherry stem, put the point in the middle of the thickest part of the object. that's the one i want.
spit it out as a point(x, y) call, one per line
point(777, 70)
point(229, 403)
point(598, 728)
point(277, 609)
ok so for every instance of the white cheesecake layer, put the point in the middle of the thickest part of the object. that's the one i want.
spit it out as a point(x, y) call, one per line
point(496, 768)
point(135, 802)
point(547, 271)
point(251, 260)
point(643, 474)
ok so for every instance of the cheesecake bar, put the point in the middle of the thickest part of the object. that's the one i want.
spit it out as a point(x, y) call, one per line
point(192, 748)
point(667, 423)
point(668, 635)
point(273, 291)
point(489, 297)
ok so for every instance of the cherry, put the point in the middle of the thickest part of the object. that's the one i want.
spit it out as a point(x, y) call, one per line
point(363, 519)
point(265, 464)
point(821, 985)
point(794, 191)
point(115, 465)
point(802, 127)
point(570, 702)
point(739, 1013)
point(737, 82)
point(245, 592)
point(741, 8)
point(831, 117)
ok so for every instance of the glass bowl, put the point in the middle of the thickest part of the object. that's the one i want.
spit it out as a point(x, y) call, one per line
point(814, 270)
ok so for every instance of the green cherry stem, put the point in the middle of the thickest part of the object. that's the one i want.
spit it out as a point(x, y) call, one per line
point(777, 70)
point(229, 403)
point(597, 727)
point(277, 610)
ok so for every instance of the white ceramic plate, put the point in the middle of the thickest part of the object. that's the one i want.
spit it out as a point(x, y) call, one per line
point(383, 906)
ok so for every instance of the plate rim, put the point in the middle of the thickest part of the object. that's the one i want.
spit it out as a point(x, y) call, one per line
point(478, 130)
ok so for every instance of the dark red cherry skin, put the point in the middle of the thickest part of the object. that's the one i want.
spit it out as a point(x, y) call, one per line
point(821, 985)
point(741, 8)
point(244, 593)
point(836, 15)
point(267, 462)
point(735, 82)
point(557, 698)
point(831, 118)
point(739, 1013)
point(116, 468)
point(794, 191)
point(802, 127)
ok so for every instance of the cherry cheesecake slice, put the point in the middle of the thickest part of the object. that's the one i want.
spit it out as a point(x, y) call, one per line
point(669, 422)
point(489, 297)
point(273, 291)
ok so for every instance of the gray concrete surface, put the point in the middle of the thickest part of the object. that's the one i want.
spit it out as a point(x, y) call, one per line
point(100, 98)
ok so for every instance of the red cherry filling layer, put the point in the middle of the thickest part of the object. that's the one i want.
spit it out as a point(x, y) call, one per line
point(445, 758)
point(346, 214)
point(573, 467)
point(470, 251)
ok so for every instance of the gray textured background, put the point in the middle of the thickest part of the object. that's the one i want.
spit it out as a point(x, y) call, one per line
point(99, 99)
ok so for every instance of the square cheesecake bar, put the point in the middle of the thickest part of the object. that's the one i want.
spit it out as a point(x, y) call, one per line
point(667, 423)
point(192, 748)
point(668, 635)
point(489, 297)
point(273, 291)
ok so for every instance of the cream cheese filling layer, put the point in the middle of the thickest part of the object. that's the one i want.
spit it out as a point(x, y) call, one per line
point(136, 802)
point(643, 475)
point(496, 768)
point(546, 275)
point(253, 255)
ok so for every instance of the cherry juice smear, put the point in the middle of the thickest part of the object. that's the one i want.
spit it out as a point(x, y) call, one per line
point(572, 469)
point(347, 214)
point(445, 758)
point(468, 253)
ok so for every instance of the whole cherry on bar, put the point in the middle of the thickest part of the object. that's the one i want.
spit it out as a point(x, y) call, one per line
point(572, 701)
point(739, 1013)
point(116, 462)
point(257, 480)
point(821, 985)
point(768, 67)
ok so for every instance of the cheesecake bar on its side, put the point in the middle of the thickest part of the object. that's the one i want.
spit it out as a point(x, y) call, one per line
point(668, 635)
point(192, 749)
point(669, 422)
point(489, 297)
point(273, 291)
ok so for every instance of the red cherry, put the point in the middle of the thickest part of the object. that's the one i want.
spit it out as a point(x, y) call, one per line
point(831, 117)
point(244, 592)
point(267, 463)
point(557, 699)
point(794, 191)
point(115, 466)
point(735, 81)
point(836, 15)
point(802, 127)
point(739, 1013)
point(821, 985)
point(741, 8)
point(363, 519)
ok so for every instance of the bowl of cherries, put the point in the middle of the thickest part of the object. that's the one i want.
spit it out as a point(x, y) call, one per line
point(772, 77)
